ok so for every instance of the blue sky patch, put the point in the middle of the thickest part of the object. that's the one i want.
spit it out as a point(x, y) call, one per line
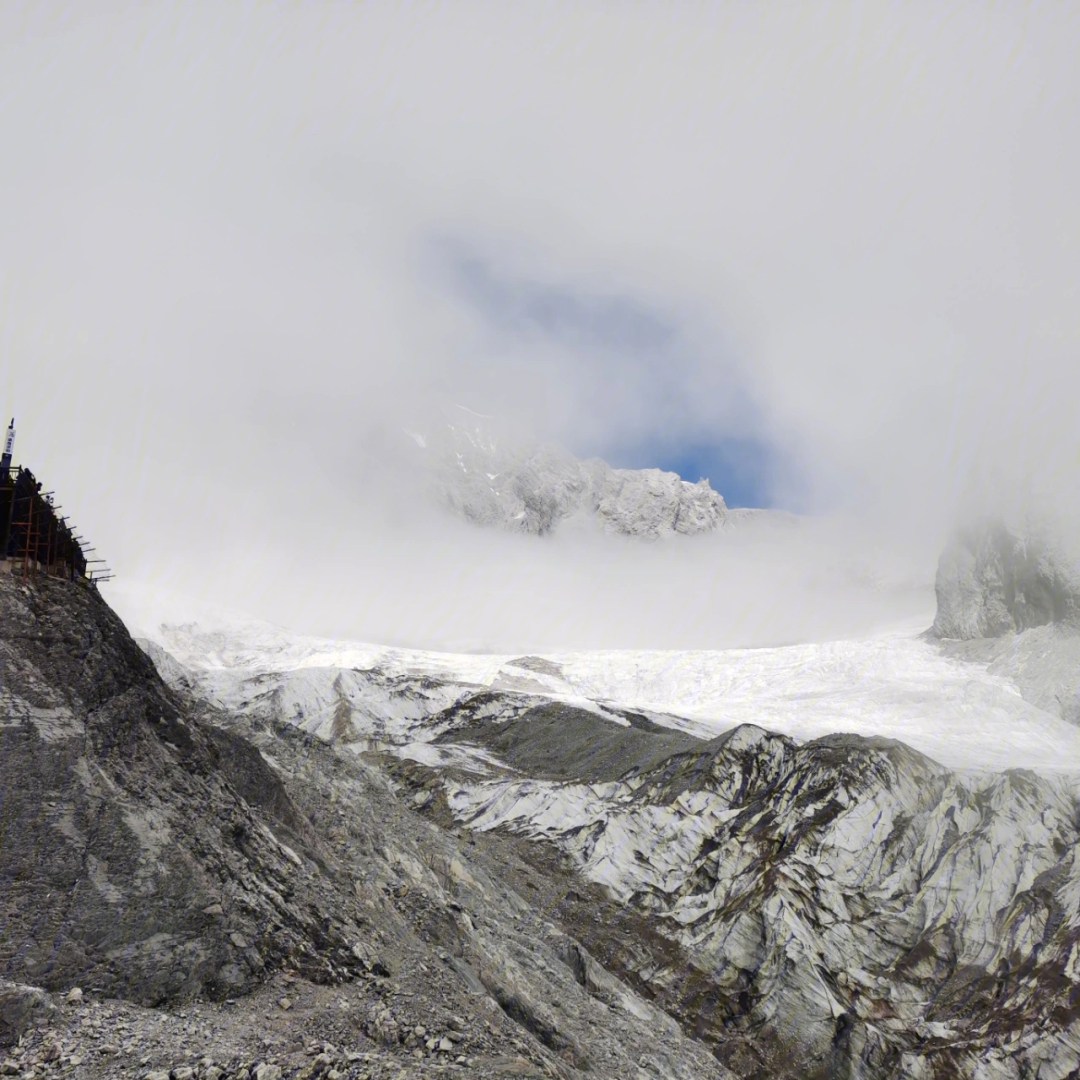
point(740, 469)
point(635, 377)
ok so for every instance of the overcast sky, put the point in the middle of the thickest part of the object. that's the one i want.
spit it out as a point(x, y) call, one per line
point(827, 255)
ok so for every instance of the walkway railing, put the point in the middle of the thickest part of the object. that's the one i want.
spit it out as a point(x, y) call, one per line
point(36, 539)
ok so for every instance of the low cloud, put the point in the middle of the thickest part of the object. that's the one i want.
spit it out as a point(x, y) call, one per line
point(849, 236)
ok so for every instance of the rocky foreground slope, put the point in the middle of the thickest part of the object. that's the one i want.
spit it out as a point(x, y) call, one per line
point(142, 854)
point(844, 907)
point(188, 894)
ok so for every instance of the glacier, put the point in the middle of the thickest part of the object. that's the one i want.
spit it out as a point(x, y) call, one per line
point(897, 686)
point(851, 858)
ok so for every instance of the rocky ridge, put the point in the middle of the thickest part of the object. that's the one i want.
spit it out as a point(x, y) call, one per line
point(538, 490)
point(846, 907)
point(858, 909)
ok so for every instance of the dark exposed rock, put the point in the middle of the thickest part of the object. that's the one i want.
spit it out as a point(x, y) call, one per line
point(537, 664)
point(558, 741)
point(138, 852)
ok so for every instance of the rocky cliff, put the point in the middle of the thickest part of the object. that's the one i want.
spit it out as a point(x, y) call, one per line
point(992, 581)
point(1012, 600)
point(142, 853)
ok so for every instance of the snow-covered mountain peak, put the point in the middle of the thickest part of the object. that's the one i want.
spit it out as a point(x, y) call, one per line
point(486, 479)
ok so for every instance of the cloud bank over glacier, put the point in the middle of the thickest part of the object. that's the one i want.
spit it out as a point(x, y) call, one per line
point(246, 247)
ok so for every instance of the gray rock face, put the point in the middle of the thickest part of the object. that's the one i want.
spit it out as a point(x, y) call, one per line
point(991, 582)
point(1013, 602)
point(131, 862)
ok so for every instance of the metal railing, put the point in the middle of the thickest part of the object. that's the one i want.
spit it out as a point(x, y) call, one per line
point(33, 533)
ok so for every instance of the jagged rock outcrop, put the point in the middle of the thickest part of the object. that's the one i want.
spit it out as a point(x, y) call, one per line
point(535, 490)
point(854, 908)
point(991, 582)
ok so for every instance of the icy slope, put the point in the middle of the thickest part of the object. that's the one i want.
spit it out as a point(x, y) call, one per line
point(897, 687)
point(854, 903)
